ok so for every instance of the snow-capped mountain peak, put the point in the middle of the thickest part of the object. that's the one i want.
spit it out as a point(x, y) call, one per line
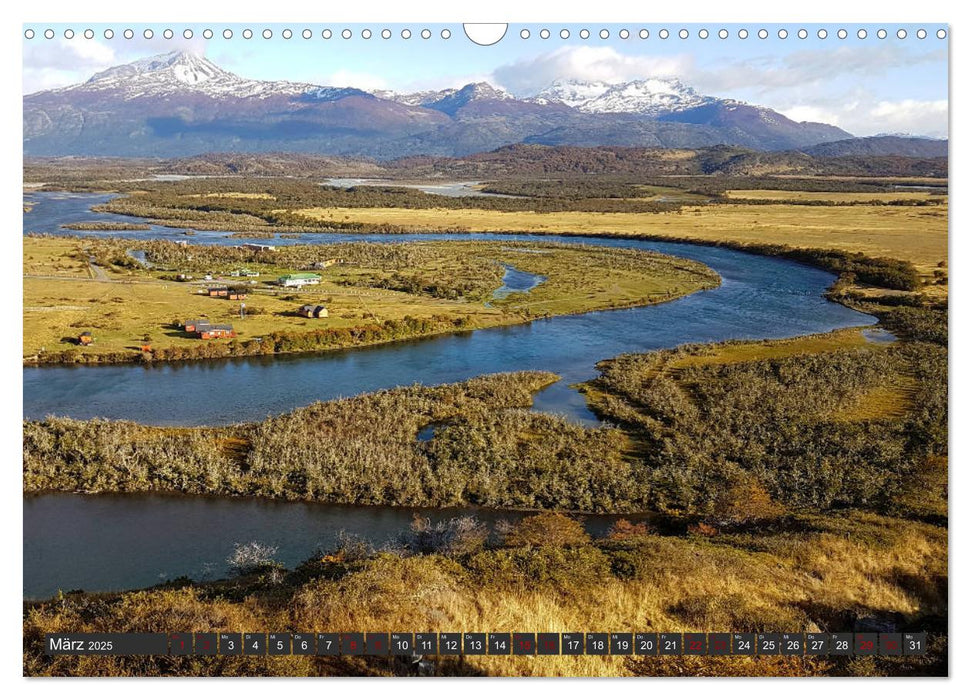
point(180, 66)
point(650, 97)
point(572, 93)
point(182, 71)
point(471, 91)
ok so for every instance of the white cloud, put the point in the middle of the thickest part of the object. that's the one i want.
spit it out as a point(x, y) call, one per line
point(63, 62)
point(911, 116)
point(870, 117)
point(529, 76)
point(759, 75)
point(812, 113)
point(800, 69)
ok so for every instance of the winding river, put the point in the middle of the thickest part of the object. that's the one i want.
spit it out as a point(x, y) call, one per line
point(760, 297)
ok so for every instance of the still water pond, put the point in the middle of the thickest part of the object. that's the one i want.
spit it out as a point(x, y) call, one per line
point(517, 281)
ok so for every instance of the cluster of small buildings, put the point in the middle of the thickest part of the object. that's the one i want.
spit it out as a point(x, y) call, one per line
point(226, 293)
point(206, 330)
point(244, 272)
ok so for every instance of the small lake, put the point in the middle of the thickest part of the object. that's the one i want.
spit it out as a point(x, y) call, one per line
point(515, 280)
point(118, 542)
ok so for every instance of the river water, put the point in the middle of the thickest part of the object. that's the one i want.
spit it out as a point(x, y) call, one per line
point(108, 542)
point(111, 542)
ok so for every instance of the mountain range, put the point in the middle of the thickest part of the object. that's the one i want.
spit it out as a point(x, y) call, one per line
point(181, 104)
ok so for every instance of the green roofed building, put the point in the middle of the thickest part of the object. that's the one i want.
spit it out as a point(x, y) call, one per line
point(299, 279)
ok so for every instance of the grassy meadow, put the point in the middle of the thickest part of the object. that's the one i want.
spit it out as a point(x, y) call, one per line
point(126, 305)
point(915, 234)
point(905, 196)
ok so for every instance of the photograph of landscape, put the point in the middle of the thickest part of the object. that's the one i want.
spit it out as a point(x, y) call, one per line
point(359, 329)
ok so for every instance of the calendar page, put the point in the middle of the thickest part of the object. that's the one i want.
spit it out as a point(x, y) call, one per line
point(435, 350)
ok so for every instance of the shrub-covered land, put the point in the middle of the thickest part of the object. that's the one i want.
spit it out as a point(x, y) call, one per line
point(780, 170)
point(106, 226)
point(855, 571)
point(485, 451)
point(860, 427)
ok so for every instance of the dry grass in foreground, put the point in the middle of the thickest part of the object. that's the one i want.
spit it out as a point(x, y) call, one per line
point(851, 571)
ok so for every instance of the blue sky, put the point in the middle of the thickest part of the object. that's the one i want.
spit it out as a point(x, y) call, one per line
point(866, 86)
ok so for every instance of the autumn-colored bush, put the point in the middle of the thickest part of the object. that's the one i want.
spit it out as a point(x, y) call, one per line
point(547, 530)
point(745, 501)
point(703, 529)
point(624, 529)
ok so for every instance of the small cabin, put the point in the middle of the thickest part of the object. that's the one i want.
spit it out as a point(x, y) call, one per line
point(313, 311)
point(237, 294)
point(218, 291)
point(85, 338)
point(299, 279)
point(190, 326)
point(210, 332)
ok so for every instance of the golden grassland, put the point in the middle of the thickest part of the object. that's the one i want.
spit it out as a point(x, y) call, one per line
point(745, 351)
point(131, 306)
point(878, 179)
point(64, 295)
point(817, 573)
point(669, 194)
point(892, 400)
point(737, 352)
point(915, 234)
